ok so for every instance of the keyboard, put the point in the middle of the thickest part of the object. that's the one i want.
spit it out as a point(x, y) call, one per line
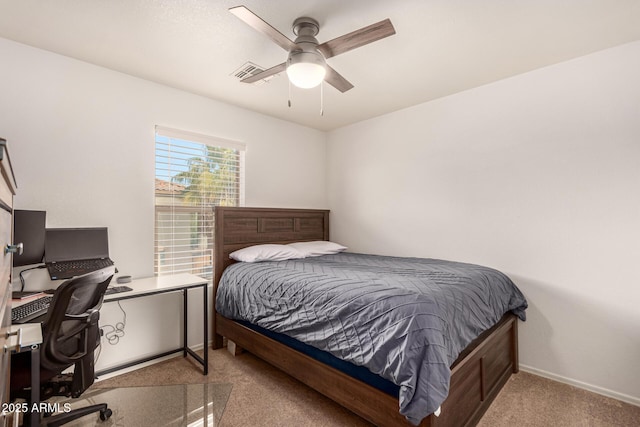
point(117, 290)
point(69, 269)
point(31, 310)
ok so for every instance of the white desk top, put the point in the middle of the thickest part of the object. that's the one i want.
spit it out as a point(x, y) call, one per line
point(150, 285)
point(140, 287)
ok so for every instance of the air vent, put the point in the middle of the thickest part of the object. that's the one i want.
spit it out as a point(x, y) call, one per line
point(251, 69)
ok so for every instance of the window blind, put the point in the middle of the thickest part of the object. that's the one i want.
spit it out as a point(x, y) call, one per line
point(194, 173)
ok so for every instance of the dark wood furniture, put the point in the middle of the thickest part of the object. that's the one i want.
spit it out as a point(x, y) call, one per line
point(477, 375)
point(7, 191)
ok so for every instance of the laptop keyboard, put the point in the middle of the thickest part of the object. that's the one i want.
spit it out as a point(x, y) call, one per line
point(68, 269)
point(30, 310)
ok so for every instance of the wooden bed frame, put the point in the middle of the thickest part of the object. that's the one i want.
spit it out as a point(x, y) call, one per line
point(478, 374)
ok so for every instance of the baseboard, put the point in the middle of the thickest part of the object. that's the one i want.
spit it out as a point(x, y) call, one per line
point(589, 387)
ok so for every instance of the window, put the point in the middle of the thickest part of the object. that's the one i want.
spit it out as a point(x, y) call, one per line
point(194, 173)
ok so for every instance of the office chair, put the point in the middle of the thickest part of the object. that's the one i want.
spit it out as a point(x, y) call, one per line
point(70, 334)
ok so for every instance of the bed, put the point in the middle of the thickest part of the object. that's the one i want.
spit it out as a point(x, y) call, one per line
point(477, 375)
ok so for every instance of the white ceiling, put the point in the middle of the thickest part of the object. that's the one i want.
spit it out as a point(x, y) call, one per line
point(440, 47)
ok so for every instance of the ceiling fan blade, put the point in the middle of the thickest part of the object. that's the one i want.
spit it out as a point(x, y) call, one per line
point(262, 26)
point(266, 73)
point(336, 80)
point(357, 38)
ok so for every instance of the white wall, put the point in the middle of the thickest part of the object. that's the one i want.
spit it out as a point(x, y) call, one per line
point(538, 176)
point(81, 140)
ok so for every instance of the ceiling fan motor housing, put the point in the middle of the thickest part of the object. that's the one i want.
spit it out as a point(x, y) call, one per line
point(306, 29)
point(306, 53)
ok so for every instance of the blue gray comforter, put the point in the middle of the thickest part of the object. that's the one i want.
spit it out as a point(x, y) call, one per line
point(405, 319)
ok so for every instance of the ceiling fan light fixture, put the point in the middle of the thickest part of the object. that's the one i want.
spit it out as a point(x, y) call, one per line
point(306, 70)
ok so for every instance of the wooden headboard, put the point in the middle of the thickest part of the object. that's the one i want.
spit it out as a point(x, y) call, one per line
point(237, 228)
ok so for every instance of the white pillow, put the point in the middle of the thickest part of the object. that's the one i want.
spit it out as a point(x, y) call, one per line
point(266, 253)
point(320, 247)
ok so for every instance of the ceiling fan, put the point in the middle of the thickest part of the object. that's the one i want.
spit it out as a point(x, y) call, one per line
point(306, 64)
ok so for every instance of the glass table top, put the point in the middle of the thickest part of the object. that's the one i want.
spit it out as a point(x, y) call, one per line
point(192, 405)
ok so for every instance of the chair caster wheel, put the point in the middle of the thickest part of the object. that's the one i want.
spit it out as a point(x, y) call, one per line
point(106, 414)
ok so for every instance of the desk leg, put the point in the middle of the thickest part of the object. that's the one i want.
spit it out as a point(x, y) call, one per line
point(205, 327)
point(184, 323)
point(34, 416)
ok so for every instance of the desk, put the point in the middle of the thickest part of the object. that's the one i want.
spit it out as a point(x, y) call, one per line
point(161, 285)
point(28, 337)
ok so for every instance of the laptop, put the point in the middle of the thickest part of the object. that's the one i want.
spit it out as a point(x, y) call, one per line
point(70, 252)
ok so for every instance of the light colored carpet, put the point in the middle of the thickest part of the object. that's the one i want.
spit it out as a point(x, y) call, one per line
point(263, 396)
point(529, 400)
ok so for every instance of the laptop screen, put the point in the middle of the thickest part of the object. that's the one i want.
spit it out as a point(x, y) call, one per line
point(71, 244)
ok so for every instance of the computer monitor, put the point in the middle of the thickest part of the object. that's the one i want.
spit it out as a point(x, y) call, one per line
point(28, 229)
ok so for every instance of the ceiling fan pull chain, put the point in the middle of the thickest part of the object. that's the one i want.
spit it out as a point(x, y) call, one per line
point(321, 98)
point(289, 100)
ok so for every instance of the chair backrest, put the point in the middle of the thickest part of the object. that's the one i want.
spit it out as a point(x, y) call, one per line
point(70, 332)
